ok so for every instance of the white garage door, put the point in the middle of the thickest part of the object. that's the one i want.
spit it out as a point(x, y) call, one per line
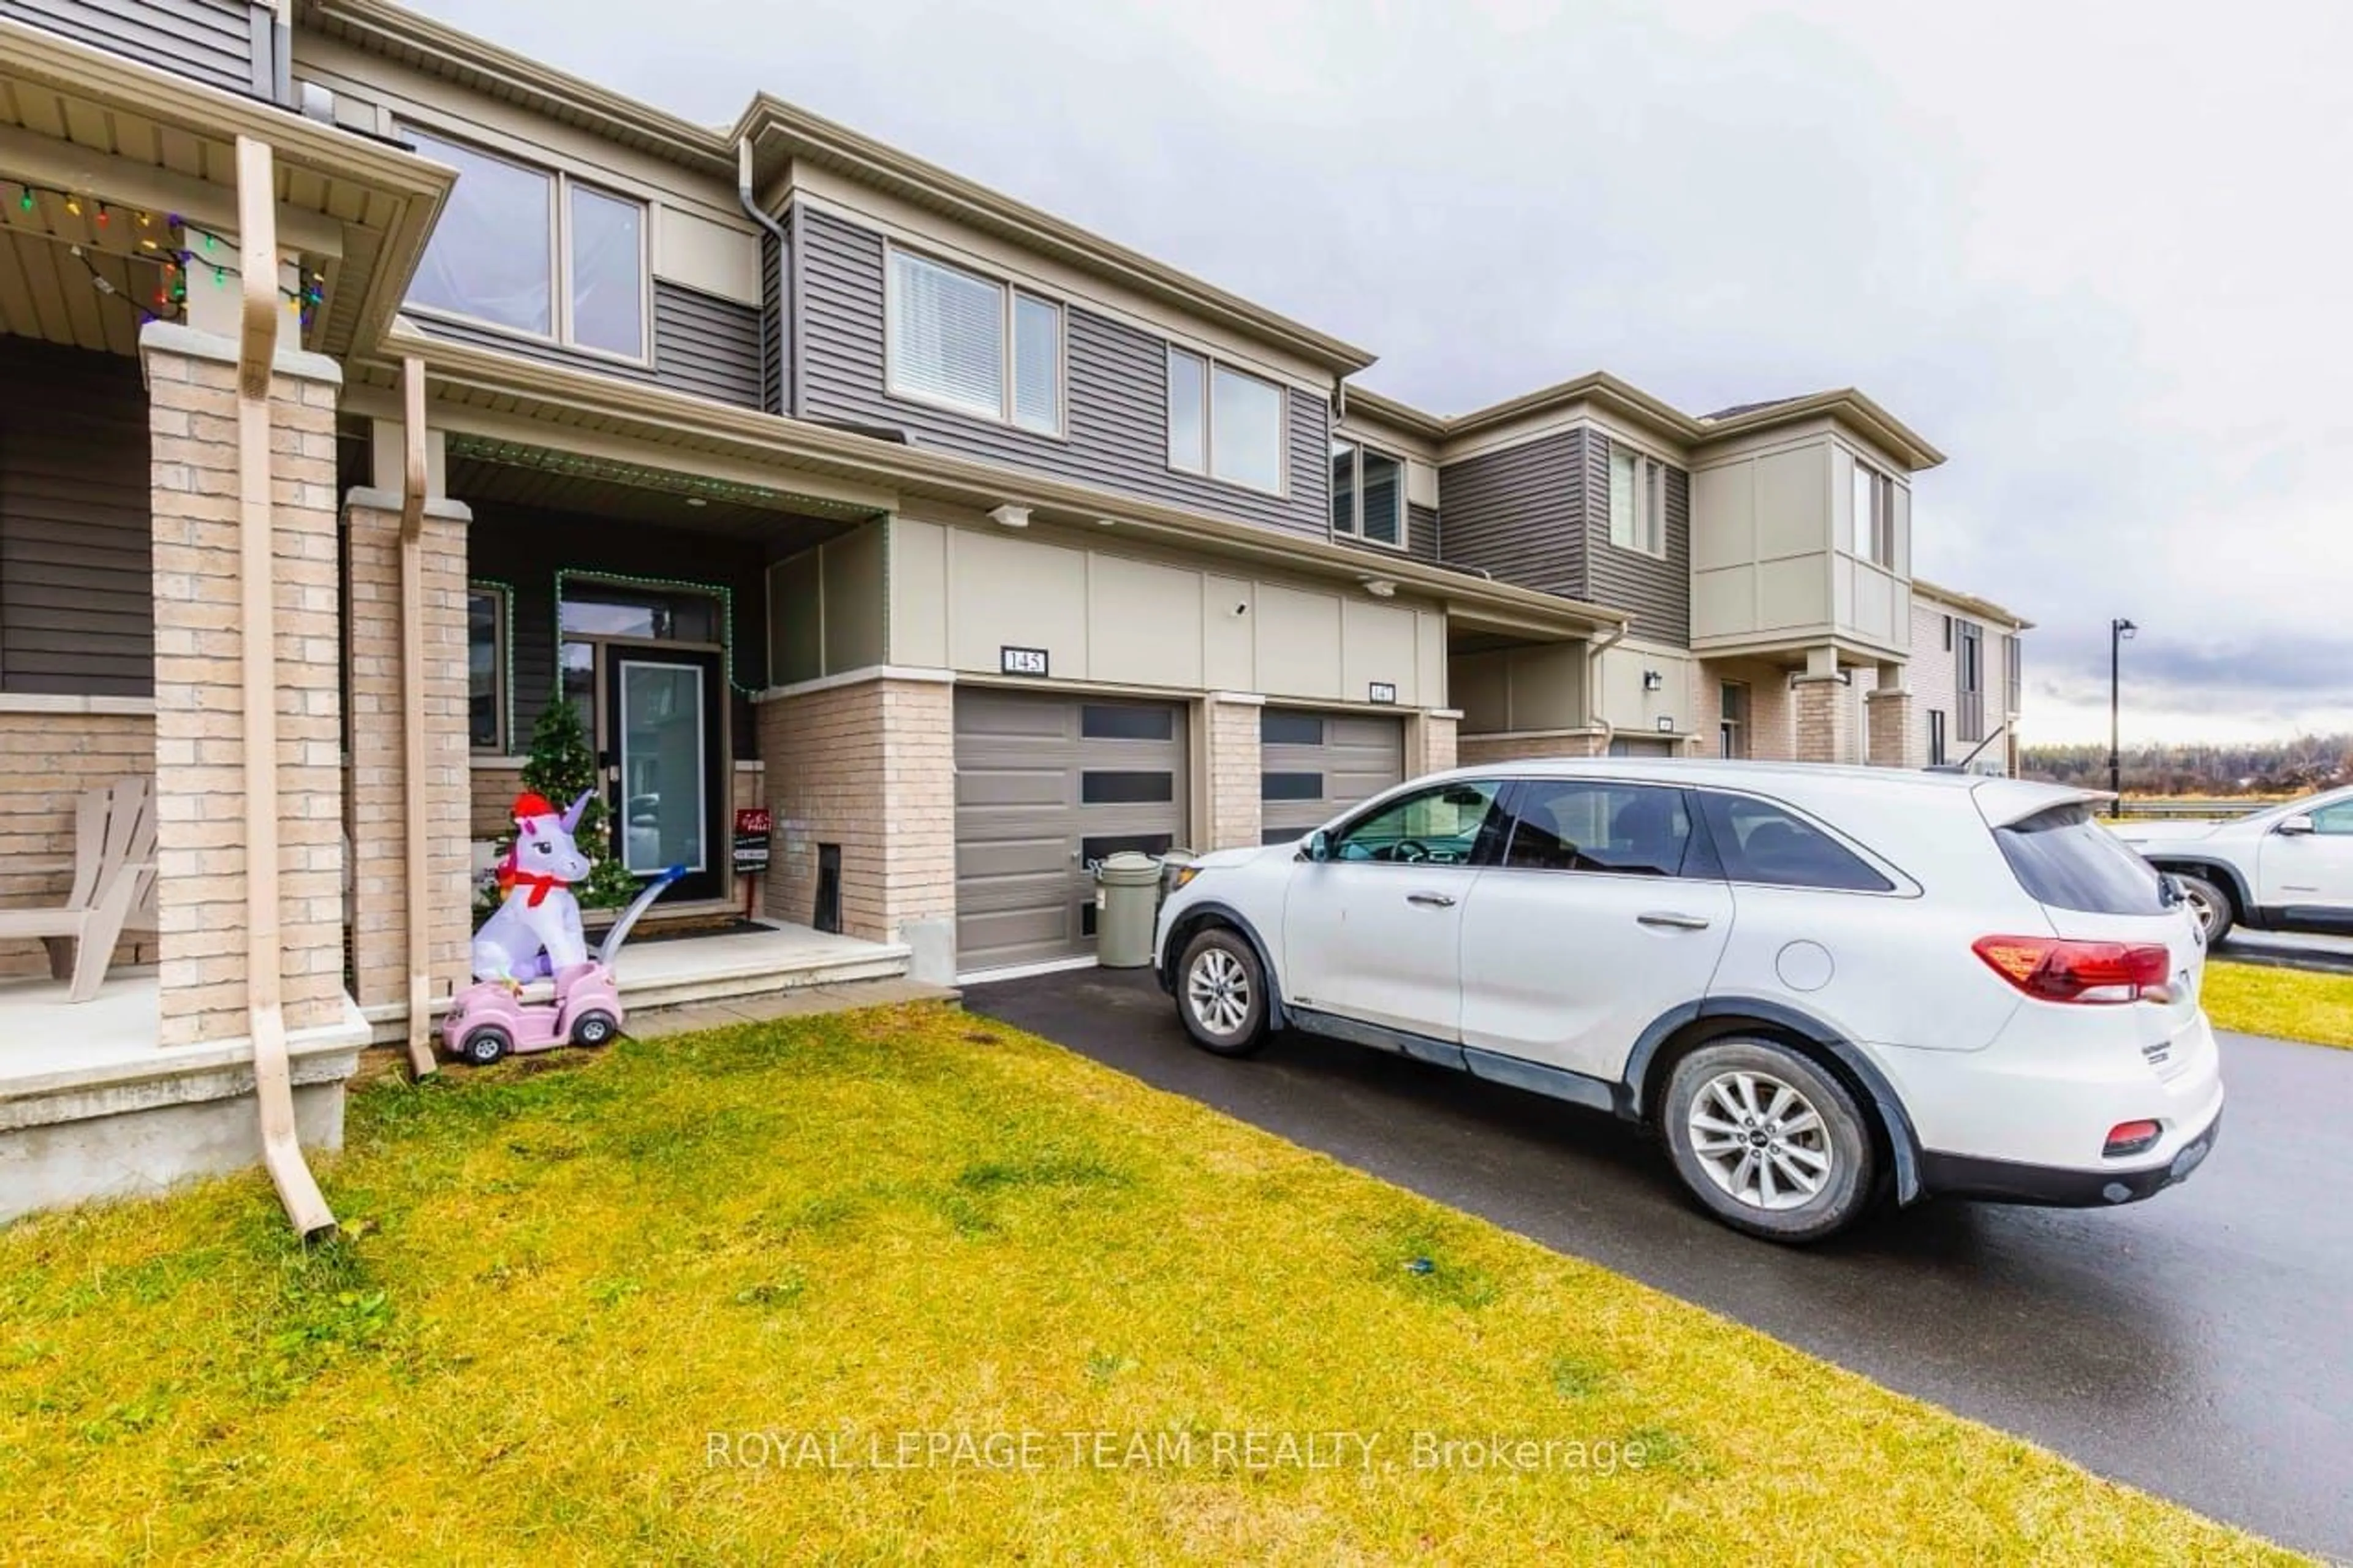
point(1047, 786)
point(1313, 766)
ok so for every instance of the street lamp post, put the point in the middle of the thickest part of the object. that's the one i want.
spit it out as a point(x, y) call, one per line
point(2120, 631)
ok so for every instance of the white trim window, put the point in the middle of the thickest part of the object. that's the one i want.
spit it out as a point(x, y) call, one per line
point(1874, 516)
point(1225, 424)
point(535, 251)
point(972, 343)
point(1367, 494)
point(487, 697)
point(1638, 501)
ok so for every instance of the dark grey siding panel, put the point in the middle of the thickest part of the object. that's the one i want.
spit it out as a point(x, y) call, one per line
point(1657, 592)
point(1519, 513)
point(706, 345)
point(1421, 533)
point(224, 43)
point(775, 342)
point(76, 549)
point(512, 545)
point(1117, 396)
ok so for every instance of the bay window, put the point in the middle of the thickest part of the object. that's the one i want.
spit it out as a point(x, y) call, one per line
point(1638, 501)
point(534, 251)
point(1367, 494)
point(973, 344)
point(1874, 516)
point(1223, 423)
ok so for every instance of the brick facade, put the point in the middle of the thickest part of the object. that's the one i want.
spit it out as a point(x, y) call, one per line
point(200, 693)
point(1480, 751)
point(1237, 816)
point(48, 758)
point(1433, 745)
point(1891, 729)
point(378, 765)
point(869, 764)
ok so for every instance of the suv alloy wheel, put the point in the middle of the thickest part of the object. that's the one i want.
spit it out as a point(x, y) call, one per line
point(1222, 993)
point(1770, 1142)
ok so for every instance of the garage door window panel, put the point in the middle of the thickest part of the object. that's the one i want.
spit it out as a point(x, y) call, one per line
point(1289, 729)
point(1107, 721)
point(1120, 787)
point(1291, 786)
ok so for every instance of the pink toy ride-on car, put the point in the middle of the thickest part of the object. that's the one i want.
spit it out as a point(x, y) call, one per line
point(492, 1017)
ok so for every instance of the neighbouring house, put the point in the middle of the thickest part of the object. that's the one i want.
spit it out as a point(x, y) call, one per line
point(973, 546)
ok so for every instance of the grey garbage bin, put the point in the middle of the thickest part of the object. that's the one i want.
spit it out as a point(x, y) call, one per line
point(1127, 902)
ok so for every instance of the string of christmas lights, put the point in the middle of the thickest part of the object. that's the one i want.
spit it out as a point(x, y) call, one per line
point(164, 239)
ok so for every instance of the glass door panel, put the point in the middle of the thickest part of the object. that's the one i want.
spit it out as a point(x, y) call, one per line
point(664, 758)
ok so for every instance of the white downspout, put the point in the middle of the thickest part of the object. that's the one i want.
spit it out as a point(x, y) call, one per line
point(1593, 652)
point(273, 1083)
point(416, 805)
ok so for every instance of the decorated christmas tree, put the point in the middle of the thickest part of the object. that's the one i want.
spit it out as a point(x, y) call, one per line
point(562, 767)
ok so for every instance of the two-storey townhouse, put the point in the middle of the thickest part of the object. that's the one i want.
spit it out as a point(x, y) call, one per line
point(375, 389)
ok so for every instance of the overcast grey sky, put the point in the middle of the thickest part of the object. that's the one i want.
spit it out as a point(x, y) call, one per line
point(2097, 254)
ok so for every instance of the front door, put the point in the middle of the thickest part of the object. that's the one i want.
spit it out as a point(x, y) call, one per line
point(664, 735)
point(1374, 932)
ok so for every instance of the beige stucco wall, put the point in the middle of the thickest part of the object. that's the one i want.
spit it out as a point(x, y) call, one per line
point(1520, 690)
point(51, 754)
point(1128, 614)
point(826, 608)
point(1772, 550)
point(1633, 710)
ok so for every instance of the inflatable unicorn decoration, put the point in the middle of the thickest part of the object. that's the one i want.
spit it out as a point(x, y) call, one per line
point(536, 931)
point(535, 934)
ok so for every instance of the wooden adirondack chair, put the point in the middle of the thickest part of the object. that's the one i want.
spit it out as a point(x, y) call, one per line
point(113, 886)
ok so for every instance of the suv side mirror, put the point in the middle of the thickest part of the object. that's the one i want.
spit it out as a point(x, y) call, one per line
point(2292, 825)
point(1318, 846)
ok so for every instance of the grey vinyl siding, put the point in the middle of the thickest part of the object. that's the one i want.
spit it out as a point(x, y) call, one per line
point(224, 43)
point(1115, 401)
point(512, 545)
point(1657, 591)
point(707, 346)
point(776, 322)
point(1537, 515)
point(703, 345)
point(77, 548)
point(1421, 533)
point(1519, 513)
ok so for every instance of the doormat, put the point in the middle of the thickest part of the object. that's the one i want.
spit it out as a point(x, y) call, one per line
point(719, 925)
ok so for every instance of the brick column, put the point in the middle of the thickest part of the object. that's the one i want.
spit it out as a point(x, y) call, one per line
point(866, 760)
point(1433, 742)
point(1481, 751)
point(1890, 719)
point(1822, 703)
point(200, 690)
point(378, 815)
point(1236, 810)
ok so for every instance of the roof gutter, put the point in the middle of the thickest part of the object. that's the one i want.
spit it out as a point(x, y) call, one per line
point(273, 1086)
point(416, 802)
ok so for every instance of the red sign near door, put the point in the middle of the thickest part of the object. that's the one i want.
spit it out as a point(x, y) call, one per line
point(752, 826)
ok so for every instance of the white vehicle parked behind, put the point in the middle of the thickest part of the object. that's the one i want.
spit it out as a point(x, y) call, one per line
point(2283, 867)
point(1820, 985)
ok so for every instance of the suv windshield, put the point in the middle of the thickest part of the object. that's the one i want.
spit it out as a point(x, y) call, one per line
point(2063, 858)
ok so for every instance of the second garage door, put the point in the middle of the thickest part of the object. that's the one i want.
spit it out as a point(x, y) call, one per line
point(1046, 786)
point(1313, 766)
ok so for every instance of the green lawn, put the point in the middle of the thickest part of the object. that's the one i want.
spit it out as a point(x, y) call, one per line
point(561, 1278)
point(2289, 1003)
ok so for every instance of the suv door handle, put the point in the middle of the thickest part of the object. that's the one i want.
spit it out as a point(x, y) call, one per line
point(1671, 921)
point(1432, 900)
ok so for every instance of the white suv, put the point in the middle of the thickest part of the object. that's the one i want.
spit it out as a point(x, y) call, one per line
point(2284, 867)
point(1821, 985)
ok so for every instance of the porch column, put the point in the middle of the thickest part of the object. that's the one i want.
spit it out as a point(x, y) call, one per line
point(1237, 817)
point(1431, 743)
point(378, 815)
point(865, 763)
point(1823, 703)
point(1891, 719)
point(200, 688)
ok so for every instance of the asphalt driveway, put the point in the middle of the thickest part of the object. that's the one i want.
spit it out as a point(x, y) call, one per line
point(2196, 1345)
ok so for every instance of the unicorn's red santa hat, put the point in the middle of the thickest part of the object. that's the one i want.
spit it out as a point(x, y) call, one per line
point(530, 805)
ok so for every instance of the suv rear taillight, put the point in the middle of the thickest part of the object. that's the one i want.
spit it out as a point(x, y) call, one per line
point(2052, 968)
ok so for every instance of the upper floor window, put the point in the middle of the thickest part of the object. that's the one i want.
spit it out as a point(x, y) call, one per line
point(1223, 423)
point(1638, 501)
point(1367, 494)
point(974, 343)
point(535, 252)
point(1874, 516)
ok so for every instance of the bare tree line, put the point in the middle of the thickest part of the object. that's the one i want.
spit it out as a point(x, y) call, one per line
point(2201, 768)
